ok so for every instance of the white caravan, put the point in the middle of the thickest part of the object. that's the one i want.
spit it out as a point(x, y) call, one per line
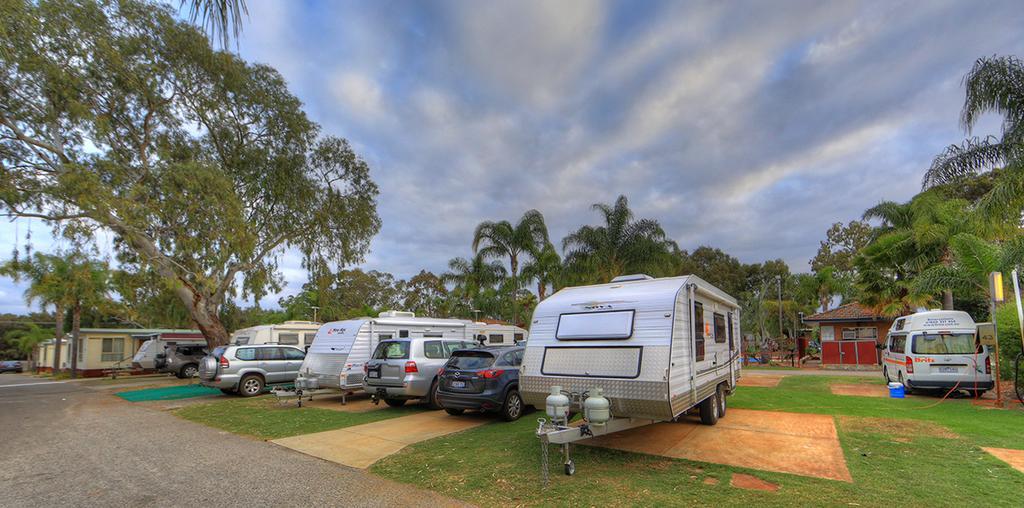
point(629, 353)
point(289, 333)
point(937, 349)
point(341, 348)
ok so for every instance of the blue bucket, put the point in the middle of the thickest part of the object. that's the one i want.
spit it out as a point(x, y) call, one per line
point(896, 391)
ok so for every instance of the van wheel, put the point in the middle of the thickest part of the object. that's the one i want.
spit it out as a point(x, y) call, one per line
point(721, 401)
point(188, 371)
point(454, 412)
point(432, 396)
point(512, 409)
point(709, 409)
point(395, 402)
point(906, 389)
point(885, 372)
point(250, 386)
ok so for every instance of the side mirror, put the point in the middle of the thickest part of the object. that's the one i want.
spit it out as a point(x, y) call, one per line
point(880, 346)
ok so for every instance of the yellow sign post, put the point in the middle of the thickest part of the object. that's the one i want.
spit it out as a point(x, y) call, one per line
point(995, 291)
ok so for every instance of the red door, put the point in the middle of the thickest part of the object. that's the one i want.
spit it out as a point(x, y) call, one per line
point(829, 352)
point(848, 352)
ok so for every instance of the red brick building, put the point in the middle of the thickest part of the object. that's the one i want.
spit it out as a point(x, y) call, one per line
point(849, 334)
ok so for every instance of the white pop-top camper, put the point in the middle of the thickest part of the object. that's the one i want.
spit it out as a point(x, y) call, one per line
point(289, 333)
point(644, 349)
point(336, 357)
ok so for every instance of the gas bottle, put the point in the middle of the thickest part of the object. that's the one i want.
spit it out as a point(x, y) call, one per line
point(557, 404)
point(596, 408)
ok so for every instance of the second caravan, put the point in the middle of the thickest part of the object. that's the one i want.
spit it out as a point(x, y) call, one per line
point(289, 333)
point(340, 350)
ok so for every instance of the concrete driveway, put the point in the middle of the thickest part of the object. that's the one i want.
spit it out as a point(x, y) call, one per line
point(68, 444)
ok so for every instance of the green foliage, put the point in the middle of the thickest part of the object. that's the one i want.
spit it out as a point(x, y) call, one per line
point(1009, 337)
point(116, 115)
point(839, 248)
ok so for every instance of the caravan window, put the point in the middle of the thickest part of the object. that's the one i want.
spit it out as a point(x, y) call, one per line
point(518, 337)
point(307, 338)
point(241, 341)
point(719, 328)
point(385, 336)
point(496, 338)
point(288, 339)
point(698, 329)
point(403, 334)
point(433, 335)
point(595, 325)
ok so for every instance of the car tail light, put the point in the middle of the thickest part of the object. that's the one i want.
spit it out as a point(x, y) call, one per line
point(224, 362)
point(366, 368)
point(910, 365)
point(491, 374)
point(988, 365)
point(440, 372)
point(410, 367)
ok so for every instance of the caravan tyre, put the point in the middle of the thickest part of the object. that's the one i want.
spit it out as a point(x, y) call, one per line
point(721, 400)
point(709, 409)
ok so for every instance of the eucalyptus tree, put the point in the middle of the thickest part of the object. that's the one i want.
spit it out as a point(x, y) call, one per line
point(546, 269)
point(502, 239)
point(994, 85)
point(621, 245)
point(116, 115)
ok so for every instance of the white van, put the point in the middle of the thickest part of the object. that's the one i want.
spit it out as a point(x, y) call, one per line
point(937, 349)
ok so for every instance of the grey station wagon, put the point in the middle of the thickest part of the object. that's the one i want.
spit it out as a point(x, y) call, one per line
point(403, 369)
point(248, 369)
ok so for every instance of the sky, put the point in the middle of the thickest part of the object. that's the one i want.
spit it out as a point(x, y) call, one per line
point(747, 126)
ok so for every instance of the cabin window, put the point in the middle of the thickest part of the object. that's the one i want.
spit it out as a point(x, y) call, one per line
point(113, 350)
point(496, 338)
point(728, 324)
point(698, 329)
point(403, 334)
point(518, 337)
point(307, 339)
point(860, 333)
point(288, 339)
point(719, 328)
point(595, 325)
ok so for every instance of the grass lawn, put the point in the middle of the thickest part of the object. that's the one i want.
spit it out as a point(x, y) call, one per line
point(907, 452)
point(264, 418)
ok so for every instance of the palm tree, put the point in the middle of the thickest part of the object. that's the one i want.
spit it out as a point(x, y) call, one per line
point(994, 85)
point(471, 276)
point(546, 269)
point(503, 239)
point(220, 18)
point(973, 259)
point(917, 235)
point(621, 245)
point(45, 274)
point(28, 339)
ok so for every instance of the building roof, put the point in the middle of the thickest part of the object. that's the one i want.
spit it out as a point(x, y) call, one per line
point(850, 312)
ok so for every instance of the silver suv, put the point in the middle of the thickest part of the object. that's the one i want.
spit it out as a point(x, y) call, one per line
point(248, 369)
point(404, 369)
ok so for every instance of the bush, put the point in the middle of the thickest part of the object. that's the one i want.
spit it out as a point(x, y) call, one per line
point(1009, 338)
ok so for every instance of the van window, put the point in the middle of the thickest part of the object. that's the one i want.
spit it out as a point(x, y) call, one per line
point(433, 349)
point(698, 328)
point(898, 344)
point(288, 339)
point(719, 328)
point(496, 338)
point(595, 325)
point(392, 350)
point(944, 344)
point(246, 353)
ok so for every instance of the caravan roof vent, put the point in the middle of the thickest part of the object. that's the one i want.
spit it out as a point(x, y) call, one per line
point(635, 276)
point(396, 313)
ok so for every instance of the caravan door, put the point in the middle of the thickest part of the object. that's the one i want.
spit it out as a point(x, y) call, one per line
point(703, 339)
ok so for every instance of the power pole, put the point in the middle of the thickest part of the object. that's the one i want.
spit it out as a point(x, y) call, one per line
point(315, 308)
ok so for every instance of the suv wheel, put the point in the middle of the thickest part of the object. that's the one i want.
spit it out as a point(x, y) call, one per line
point(188, 371)
point(432, 402)
point(512, 409)
point(250, 386)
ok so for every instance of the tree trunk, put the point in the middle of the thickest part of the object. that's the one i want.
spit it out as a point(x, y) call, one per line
point(76, 326)
point(947, 299)
point(58, 337)
point(541, 290)
point(207, 320)
point(514, 262)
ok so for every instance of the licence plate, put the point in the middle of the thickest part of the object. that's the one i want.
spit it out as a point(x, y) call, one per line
point(374, 373)
point(458, 384)
point(948, 370)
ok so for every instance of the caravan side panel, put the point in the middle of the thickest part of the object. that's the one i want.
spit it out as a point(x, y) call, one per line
point(326, 358)
point(680, 380)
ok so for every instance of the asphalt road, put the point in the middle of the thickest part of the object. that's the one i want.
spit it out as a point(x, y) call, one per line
point(71, 444)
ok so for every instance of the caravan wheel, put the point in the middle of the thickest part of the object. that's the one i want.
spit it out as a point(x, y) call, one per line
point(709, 409)
point(721, 400)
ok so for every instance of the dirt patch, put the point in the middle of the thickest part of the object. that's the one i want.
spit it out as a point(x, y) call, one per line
point(859, 390)
point(802, 444)
point(1015, 458)
point(745, 481)
point(896, 428)
point(352, 405)
point(710, 481)
point(760, 381)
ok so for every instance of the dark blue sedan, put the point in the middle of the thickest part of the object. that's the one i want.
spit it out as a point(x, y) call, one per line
point(482, 379)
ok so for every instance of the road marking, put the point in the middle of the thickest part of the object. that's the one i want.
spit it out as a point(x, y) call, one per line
point(35, 384)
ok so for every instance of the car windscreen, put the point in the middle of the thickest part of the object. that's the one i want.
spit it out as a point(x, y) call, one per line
point(470, 360)
point(944, 344)
point(392, 350)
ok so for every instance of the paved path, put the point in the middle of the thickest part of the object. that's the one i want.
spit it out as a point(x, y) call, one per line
point(66, 444)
